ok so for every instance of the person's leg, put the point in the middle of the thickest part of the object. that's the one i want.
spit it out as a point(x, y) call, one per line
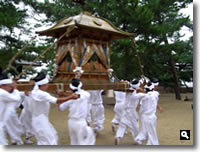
point(120, 133)
point(85, 134)
point(13, 127)
point(72, 132)
point(3, 140)
point(134, 128)
point(98, 117)
point(151, 132)
point(44, 131)
point(26, 119)
point(89, 119)
point(142, 135)
point(118, 114)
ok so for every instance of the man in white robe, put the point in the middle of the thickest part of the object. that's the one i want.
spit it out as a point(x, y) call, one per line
point(12, 123)
point(9, 99)
point(129, 118)
point(148, 117)
point(44, 131)
point(25, 117)
point(80, 132)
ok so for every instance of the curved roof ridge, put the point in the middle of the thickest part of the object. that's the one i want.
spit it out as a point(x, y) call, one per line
point(87, 20)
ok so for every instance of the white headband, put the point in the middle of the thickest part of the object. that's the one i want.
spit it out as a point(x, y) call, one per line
point(155, 84)
point(150, 87)
point(41, 82)
point(76, 88)
point(135, 86)
point(6, 81)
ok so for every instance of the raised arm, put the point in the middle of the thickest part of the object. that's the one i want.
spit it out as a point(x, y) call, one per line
point(64, 99)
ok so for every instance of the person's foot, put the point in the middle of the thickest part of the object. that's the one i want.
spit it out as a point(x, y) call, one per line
point(28, 142)
point(117, 140)
point(17, 143)
point(96, 132)
point(114, 127)
point(137, 143)
point(88, 123)
point(14, 143)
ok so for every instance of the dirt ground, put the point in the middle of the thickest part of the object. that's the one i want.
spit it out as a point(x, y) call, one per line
point(177, 115)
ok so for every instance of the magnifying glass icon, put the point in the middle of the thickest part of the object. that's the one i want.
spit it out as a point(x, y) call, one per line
point(184, 134)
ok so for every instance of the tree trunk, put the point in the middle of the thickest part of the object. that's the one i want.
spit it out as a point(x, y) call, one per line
point(126, 64)
point(177, 86)
point(173, 68)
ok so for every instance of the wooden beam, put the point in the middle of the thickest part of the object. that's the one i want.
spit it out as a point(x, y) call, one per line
point(52, 87)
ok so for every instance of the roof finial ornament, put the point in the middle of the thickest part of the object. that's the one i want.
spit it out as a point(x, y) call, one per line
point(81, 2)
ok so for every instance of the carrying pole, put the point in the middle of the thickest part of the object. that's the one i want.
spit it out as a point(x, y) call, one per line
point(15, 56)
point(45, 51)
point(139, 61)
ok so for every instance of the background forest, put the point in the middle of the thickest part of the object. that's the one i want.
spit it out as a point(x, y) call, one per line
point(157, 26)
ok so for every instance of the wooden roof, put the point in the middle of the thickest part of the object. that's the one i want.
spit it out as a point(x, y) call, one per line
point(87, 22)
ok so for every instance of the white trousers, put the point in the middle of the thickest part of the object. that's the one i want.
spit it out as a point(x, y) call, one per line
point(148, 130)
point(26, 121)
point(98, 118)
point(44, 131)
point(3, 140)
point(118, 109)
point(80, 133)
point(13, 126)
point(129, 119)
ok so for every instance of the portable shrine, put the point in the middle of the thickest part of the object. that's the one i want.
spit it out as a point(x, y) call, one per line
point(84, 50)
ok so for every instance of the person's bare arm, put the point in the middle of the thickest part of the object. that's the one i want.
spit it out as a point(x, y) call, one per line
point(64, 99)
point(60, 93)
point(159, 108)
point(140, 90)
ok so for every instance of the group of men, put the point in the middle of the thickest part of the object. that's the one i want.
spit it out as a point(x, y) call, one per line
point(34, 120)
point(126, 116)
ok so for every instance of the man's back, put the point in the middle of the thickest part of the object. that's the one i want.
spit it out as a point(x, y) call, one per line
point(79, 107)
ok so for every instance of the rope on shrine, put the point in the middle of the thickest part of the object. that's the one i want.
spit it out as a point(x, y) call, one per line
point(139, 60)
point(45, 51)
point(15, 56)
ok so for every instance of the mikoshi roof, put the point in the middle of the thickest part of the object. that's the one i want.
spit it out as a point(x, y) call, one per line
point(89, 22)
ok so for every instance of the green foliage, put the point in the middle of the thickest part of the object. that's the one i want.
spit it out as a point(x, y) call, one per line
point(10, 16)
point(155, 23)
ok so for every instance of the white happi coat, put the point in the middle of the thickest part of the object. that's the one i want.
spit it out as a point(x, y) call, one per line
point(80, 132)
point(97, 109)
point(3, 140)
point(3, 94)
point(129, 117)
point(43, 130)
point(8, 104)
point(120, 97)
point(12, 123)
point(148, 119)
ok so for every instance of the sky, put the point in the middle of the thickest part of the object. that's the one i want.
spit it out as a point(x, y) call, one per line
point(187, 11)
